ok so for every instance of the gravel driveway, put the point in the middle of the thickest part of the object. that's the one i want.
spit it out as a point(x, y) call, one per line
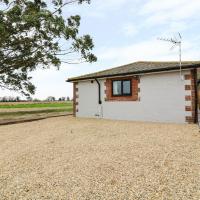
point(68, 158)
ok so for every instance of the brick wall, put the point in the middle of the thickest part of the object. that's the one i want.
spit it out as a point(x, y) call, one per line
point(191, 97)
point(135, 90)
point(75, 98)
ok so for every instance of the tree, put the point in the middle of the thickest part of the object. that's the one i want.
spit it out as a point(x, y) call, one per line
point(62, 99)
point(31, 33)
point(29, 98)
point(7, 99)
point(17, 99)
point(51, 98)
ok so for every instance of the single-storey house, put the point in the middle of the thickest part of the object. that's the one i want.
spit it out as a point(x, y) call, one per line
point(140, 91)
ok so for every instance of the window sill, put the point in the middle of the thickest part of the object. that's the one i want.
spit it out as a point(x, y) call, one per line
point(123, 98)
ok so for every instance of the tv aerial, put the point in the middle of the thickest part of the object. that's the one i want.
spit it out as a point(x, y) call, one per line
point(176, 42)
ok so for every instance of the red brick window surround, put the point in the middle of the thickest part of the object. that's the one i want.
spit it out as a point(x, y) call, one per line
point(133, 96)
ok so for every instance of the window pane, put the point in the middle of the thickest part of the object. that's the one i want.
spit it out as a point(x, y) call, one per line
point(117, 88)
point(126, 87)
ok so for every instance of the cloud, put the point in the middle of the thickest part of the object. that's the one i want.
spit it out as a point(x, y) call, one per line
point(152, 50)
point(111, 4)
point(103, 9)
point(98, 8)
point(164, 12)
point(159, 6)
point(130, 29)
point(177, 26)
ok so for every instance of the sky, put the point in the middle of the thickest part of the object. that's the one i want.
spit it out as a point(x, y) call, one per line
point(125, 31)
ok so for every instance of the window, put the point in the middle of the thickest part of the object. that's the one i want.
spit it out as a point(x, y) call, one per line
point(121, 88)
point(117, 88)
point(126, 87)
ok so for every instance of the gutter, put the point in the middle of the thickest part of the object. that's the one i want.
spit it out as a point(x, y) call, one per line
point(99, 91)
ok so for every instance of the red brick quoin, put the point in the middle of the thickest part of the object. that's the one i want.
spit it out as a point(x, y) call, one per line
point(192, 97)
point(135, 90)
point(75, 96)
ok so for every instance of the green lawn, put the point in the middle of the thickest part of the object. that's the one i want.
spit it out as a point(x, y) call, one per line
point(37, 105)
point(33, 110)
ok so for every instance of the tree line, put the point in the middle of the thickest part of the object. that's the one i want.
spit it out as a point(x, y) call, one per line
point(18, 99)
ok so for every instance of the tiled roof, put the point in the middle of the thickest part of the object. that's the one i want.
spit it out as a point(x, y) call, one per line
point(138, 68)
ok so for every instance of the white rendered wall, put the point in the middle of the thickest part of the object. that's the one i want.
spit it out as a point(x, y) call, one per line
point(87, 99)
point(162, 99)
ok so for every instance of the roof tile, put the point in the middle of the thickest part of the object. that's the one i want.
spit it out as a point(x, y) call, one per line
point(140, 67)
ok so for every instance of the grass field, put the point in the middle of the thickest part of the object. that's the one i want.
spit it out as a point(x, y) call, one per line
point(32, 110)
point(35, 105)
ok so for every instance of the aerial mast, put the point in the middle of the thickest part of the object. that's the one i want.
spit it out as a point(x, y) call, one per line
point(176, 42)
